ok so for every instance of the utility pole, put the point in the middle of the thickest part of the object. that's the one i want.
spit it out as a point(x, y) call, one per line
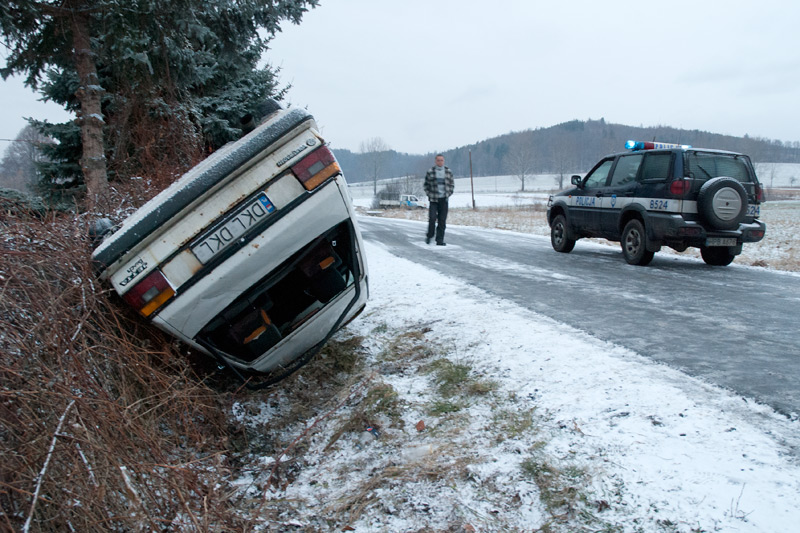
point(471, 185)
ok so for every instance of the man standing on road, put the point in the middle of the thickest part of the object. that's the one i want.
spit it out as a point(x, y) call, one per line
point(439, 187)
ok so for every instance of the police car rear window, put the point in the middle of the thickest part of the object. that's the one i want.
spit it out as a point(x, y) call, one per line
point(706, 166)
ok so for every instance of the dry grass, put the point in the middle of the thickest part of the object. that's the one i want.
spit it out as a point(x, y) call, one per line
point(104, 426)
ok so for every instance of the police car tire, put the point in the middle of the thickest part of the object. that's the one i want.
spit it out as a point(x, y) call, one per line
point(717, 255)
point(634, 244)
point(558, 236)
point(711, 190)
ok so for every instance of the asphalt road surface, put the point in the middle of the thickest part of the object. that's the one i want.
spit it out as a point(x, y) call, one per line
point(733, 326)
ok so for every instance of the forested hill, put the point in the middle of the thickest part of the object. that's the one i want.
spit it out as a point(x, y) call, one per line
point(570, 147)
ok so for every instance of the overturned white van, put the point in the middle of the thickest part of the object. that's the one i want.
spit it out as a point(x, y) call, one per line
point(253, 256)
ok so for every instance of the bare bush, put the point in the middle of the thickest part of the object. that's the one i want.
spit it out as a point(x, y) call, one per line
point(103, 425)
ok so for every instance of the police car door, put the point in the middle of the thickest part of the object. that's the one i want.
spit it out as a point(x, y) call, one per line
point(653, 183)
point(619, 193)
point(586, 202)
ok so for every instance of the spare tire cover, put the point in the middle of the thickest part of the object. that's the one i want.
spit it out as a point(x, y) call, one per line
point(722, 203)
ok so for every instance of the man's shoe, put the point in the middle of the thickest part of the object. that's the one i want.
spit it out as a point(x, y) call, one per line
point(441, 244)
point(427, 240)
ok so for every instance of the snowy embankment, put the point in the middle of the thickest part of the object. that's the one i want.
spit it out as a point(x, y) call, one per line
point(565, 432)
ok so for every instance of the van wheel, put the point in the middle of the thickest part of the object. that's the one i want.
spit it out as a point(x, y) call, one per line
point(722, 202)
point(558, 236)
point(634, 244)
point(717, 255)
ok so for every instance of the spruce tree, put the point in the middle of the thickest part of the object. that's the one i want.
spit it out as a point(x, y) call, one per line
point(154, 84)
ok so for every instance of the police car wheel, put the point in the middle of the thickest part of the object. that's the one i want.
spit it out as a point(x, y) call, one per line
point(722, 202)
point(717, 255)
point(558, 236)
point(634, 244)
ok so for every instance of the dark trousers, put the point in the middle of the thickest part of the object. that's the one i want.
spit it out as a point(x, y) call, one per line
point(437, 213)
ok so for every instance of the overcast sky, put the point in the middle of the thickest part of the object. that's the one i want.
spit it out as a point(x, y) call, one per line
point(429, 75)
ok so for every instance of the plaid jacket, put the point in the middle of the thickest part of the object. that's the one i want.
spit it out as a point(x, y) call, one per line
point(430, 184)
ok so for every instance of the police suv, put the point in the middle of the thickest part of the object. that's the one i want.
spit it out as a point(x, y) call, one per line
point(253, 256)
point(660, 194)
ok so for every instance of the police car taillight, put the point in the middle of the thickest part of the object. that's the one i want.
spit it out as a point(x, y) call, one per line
point(316, 167)
point(150, 293)
point(680, 187)
point(643, 145)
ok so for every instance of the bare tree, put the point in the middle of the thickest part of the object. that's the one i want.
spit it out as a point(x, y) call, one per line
point(764, 170)
point(519, 162)
point(375, 152)
point(18, 168)
point(562, 154)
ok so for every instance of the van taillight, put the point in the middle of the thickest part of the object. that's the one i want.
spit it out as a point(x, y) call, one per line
point(680, 187)
point(759, 193)
point(150, 293)
point(315, 168)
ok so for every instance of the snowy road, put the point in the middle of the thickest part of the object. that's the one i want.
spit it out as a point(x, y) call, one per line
point(734, 326)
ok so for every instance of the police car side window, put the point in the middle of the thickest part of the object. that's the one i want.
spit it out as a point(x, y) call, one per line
point(600, 175)
point(656, 167)
point(626, 170)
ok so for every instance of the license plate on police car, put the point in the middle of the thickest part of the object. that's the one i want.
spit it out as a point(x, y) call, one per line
point(721, 241)
point(234, 227)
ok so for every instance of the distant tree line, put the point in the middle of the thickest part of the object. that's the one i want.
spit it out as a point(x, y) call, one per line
point(564, 149)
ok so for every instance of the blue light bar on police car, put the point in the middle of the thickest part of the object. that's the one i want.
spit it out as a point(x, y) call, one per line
point(643, 145)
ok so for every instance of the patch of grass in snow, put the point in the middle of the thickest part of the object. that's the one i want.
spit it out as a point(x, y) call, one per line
point(342, 356)
point(560, 487)
point(409, 346)
point(457, 378)
point(383, 327)
point(511, 423)
point(445, 407)
point(381, 402)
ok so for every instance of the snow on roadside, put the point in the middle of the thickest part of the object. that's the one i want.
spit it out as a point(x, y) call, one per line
point(648, 448)
point(676, 448)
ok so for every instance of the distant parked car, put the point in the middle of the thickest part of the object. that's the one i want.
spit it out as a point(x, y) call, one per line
point(253, 256)
point(404, 200)
point(661, 194)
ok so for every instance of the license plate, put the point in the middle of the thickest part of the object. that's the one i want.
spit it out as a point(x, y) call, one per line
point(753, 210)
point(721, 241)
point(234, 227)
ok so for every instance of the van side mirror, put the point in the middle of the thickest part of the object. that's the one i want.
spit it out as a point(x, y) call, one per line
point(576, 180)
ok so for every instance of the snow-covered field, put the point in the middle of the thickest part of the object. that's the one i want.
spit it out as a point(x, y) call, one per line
point(492, 191)
point(550, 430)
point(500, 205)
